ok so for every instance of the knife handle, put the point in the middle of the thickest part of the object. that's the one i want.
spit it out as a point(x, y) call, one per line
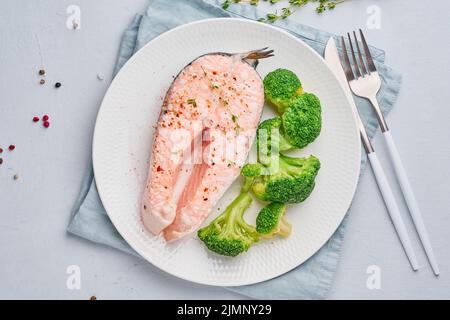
point(411, 200)
point(393, 210)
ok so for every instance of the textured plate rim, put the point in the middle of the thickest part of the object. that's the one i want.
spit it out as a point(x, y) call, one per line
point(102, 109)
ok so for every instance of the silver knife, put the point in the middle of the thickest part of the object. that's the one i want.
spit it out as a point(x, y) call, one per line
point(333, 60)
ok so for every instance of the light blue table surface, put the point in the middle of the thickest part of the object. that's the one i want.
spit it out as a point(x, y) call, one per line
point(35, 249)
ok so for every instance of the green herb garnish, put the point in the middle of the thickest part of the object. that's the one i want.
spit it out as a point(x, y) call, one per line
point(293, 5)
point(225, 102)
point(192, 102)
point(204, 72)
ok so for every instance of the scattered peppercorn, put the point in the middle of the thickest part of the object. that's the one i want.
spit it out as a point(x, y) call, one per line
point(45, 117)
point(58, 84)
point(42, 81)
point(41, 72)
point(1, 160)
point(35, 119)
point(46, 124)
point(93, 298)
point(16, 177)
point(11, 147)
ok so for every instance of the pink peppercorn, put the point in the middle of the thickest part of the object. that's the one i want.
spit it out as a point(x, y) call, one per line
point(46, 124)
point(11, 147)
point(35, 119)
point(45, 118)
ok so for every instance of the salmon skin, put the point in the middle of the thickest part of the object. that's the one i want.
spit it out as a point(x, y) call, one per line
point(205, 129)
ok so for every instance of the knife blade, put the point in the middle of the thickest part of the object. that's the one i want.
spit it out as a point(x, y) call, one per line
point(334, 63)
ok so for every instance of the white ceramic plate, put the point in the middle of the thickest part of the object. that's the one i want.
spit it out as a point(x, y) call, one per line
point(124, 132)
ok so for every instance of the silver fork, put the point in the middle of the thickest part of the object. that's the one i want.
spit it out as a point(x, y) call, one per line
point(365, 82)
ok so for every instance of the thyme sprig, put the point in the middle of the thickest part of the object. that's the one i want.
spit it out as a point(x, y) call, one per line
point(292, 6)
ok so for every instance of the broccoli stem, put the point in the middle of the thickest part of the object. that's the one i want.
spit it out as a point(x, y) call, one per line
point(248, 182)
point(285, 165)
point(285, 227)
point(284, 145)
point(291, 165)
point(293, 161)
point(236, 209)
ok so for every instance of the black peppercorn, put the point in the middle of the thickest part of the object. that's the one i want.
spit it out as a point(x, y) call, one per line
point(58, 84)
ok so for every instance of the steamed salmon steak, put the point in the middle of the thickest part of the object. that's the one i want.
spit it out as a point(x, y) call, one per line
point(205, 130)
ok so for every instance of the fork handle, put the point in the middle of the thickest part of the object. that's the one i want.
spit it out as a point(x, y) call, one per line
point(383, 125)
point(393, 210)
point(411, 200)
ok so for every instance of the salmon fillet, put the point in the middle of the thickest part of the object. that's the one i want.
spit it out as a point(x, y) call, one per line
point(205, 130)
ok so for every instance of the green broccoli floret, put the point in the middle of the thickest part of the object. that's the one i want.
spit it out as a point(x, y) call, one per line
point(229, 234)
point(280, 86)
point(302, 121)
point(292, 181)
point(252, 170)
point(266, 136)
point(271, 221)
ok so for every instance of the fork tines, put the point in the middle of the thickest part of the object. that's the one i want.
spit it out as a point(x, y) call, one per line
point(359, 68)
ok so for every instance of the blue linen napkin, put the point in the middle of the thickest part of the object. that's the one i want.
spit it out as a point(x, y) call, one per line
point(311, 280)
